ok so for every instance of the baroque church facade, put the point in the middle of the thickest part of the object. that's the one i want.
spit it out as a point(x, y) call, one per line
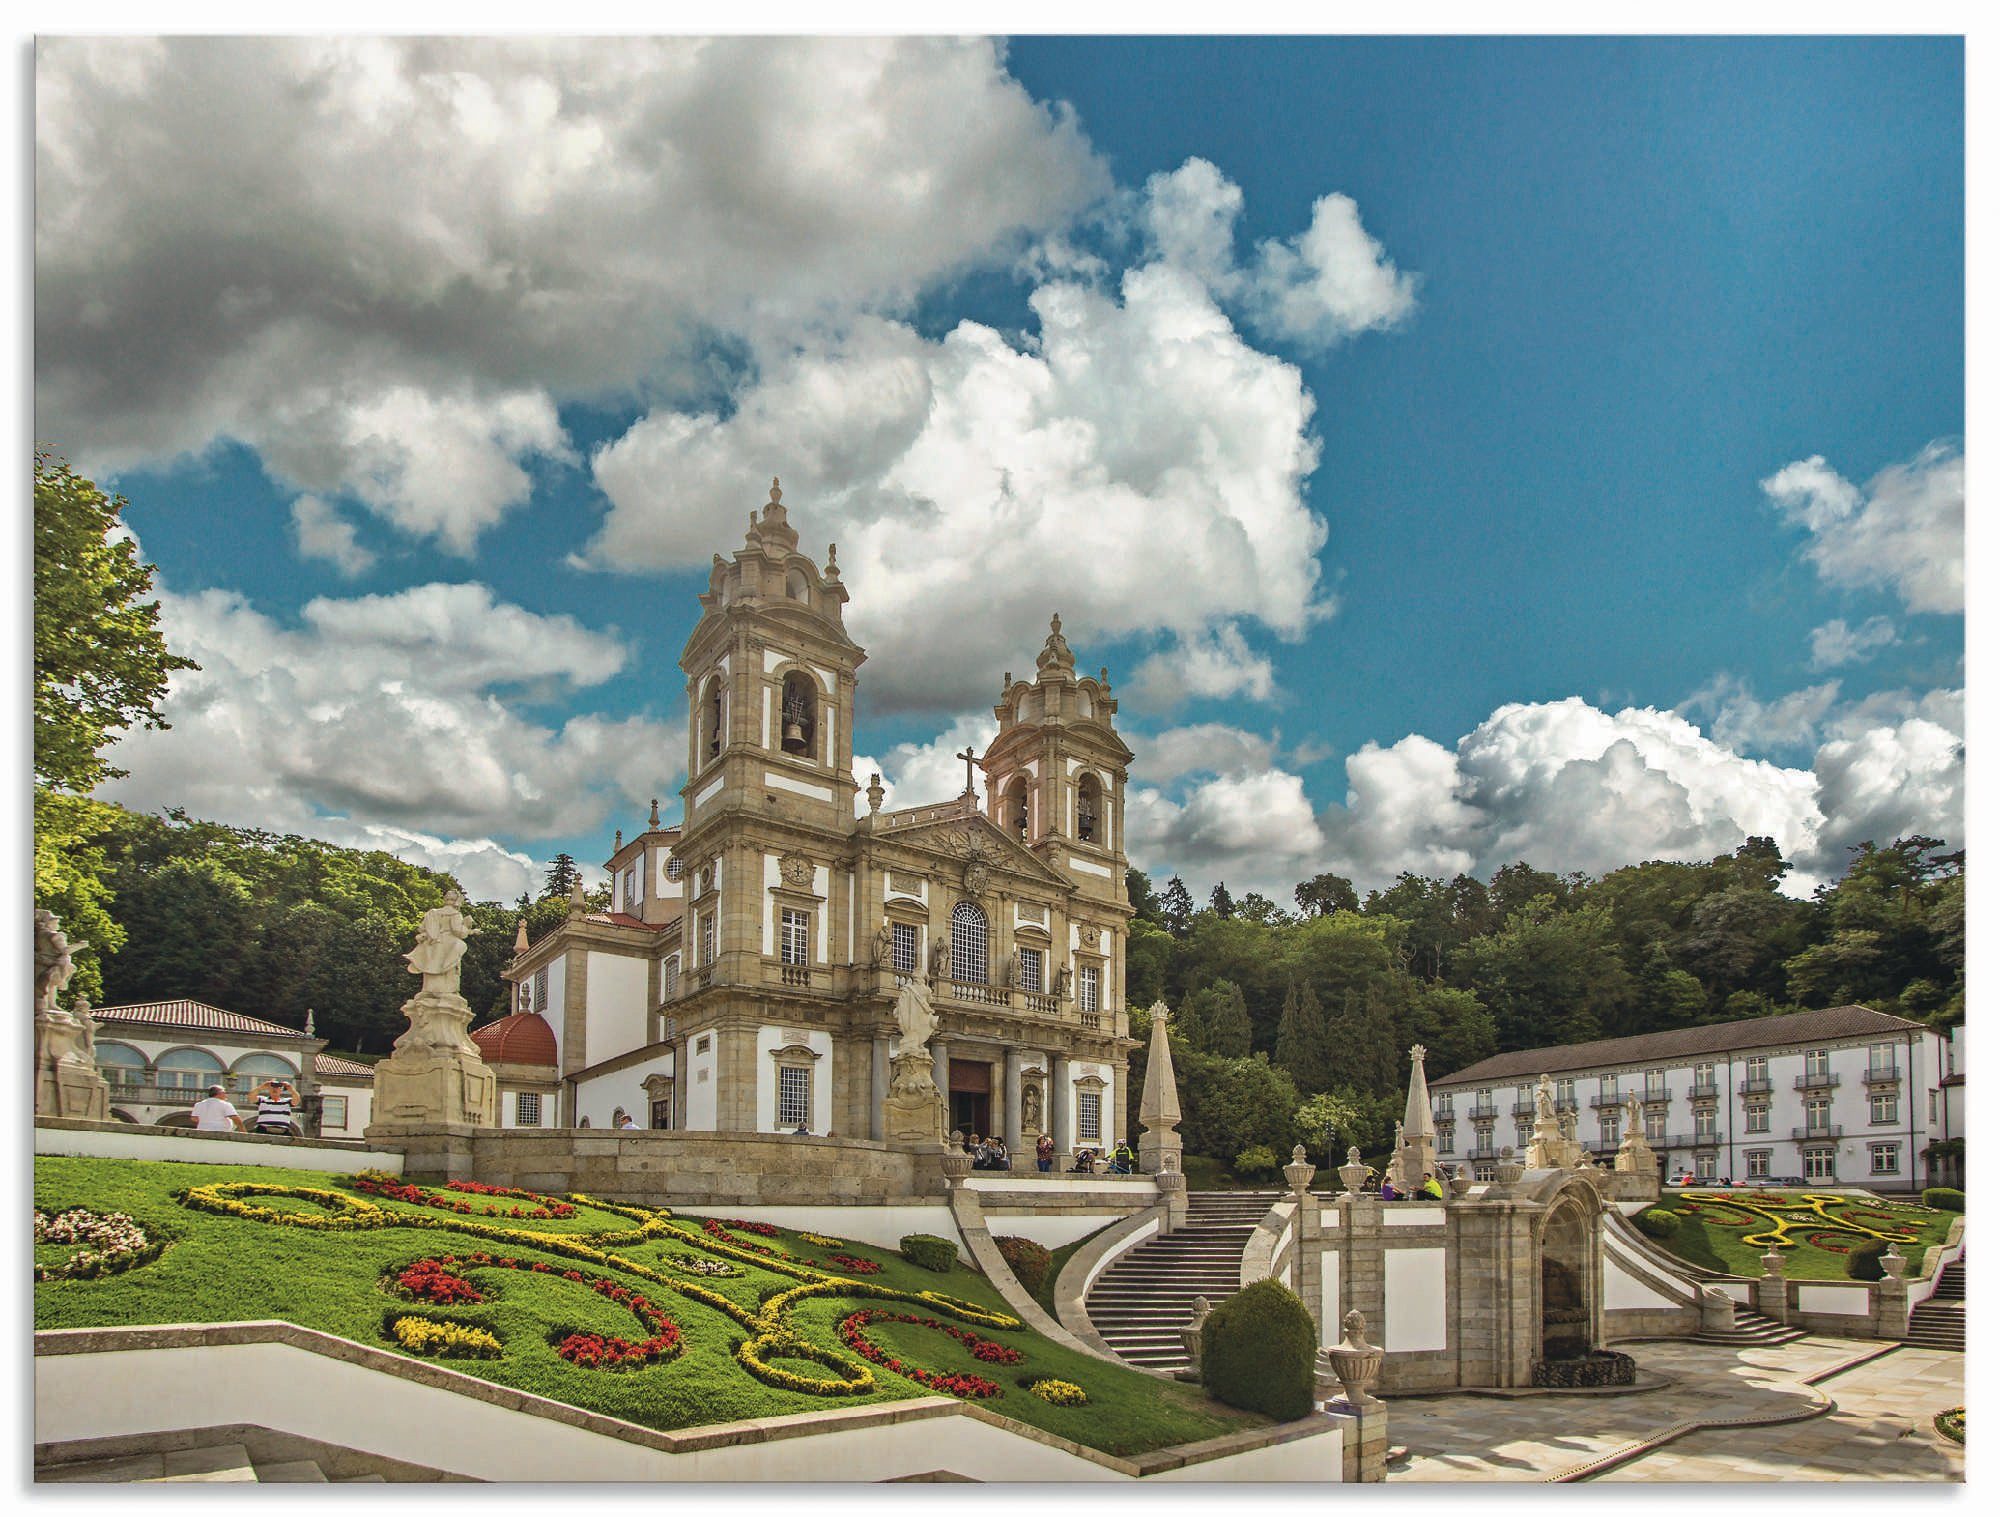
point(745, 977)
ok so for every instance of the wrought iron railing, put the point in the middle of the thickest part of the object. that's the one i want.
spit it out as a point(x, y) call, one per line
point(1816, 1082)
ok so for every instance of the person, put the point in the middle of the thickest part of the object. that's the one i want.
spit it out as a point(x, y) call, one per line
point(1123, 1160)
point(215, 1114)
point(997, 1152)
point(1045, 1153)
point(1432, 1187)
point(275, 1100)
point(625, 1122)
point(1086, 1162)
point(1389, 1191)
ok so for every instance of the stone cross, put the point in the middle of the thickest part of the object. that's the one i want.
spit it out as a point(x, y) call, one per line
point(968, 757)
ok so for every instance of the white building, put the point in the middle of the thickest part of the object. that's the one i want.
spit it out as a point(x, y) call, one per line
point(161, 1057)
point(1842, 1096)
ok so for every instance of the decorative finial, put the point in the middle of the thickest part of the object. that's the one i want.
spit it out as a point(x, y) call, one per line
point(776, 494)
point(309, 1021)
point(1055, 623)
point(1007, 682)
point(520, 934)
point(875, 792)
point(654, 819)
point(617, 839)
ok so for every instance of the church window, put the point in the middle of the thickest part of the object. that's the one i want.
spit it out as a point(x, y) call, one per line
point(1089, 1116)
point(711, 718)
point(1088, 982)
point(968, 944)
point(1089, 805)
point(796, 587)
point(188, 1069)
point(527, 1108)
point(1031, 969)
point(903, 947)
point(541, 1002)
point(794, 936)
point(1015, 812)
point(332, 1112)
point(708, 938)
point(675, 869)
point(121, 1064)
point(800, 714)
point(661, 1113)
point(670, 977)
point(794, 1096)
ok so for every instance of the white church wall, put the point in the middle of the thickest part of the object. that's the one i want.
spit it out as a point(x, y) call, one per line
point(701, 1083)
point(822, 877)
point(1413, 1300)
point(771, 1038)
point(360, 1098)
point(599, 1097)
point(614, 1006)
point(558, 973)
point(1108, 1125)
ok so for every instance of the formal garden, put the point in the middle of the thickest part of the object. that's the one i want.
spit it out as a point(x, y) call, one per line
point(1820, 1235)
point(636, 1313)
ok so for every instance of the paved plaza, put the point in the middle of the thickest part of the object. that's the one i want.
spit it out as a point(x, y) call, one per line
point(1758, 1414)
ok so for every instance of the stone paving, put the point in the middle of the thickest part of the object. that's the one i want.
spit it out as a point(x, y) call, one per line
point(1540, 1438)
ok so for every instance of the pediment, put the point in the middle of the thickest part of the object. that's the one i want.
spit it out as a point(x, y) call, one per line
point(959, 838)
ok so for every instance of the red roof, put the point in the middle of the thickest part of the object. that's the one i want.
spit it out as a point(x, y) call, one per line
point(191, 1014)
point(334, 1064)
point(523, 1038)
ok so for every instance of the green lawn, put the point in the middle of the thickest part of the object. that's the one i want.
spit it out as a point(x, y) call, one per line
point(220, 1268)
point(1817, 1228)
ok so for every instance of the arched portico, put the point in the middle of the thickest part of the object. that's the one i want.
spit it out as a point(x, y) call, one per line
point(1569, 1310)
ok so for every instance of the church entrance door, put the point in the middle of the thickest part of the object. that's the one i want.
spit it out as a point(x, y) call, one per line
point(971, 1096)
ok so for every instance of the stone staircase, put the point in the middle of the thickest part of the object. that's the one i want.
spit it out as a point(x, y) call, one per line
point(230, 1456)
point(1939, 1320)
point(1753, 1330)
point(1141, 1302)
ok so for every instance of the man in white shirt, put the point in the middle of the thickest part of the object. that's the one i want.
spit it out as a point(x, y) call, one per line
point(215, 1114)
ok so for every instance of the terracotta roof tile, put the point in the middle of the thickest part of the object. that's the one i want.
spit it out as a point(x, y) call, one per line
point(194, 1015)
point(523, 1038)
point(334, 1064)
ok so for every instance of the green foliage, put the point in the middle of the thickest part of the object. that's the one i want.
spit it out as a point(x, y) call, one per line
point(1864, 1261)
point(1257, 1351)
point(1944, 1198)
point(1324, 894)
point(1028, 1260)
point(1257, 1163)
point(1656, 1222)
point(562, 877)
point(928, 1251)
point(101, 663)
point(1327, 1113)
point(1227, 1022)
point(1229, 1105)
point(1550, 976)
point(70, 881)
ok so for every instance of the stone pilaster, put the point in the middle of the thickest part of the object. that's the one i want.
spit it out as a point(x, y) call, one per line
point(878, 1084)
point(1010, 1125)
point(1061, 1099)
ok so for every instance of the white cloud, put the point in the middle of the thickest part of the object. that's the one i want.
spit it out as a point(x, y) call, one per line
point(383, 711)
point(1740, 721)
point(1836, 643)
point(918, 774)
point(1889, 782)
point(1330, 283)
point(1137, 466)
point(488, 871)
point(1904, 531)
point(1217, 665)
point(1205, 748)
point(382, 260)
point(323, 533)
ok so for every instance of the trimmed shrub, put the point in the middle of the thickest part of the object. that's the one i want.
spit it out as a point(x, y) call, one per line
point(1027, 1259)
point(1864, 1261)
point(1657, 1222)
point(929, 1252)
point(1257, 1351)
point(1944, 1198)
point(1255, 1162)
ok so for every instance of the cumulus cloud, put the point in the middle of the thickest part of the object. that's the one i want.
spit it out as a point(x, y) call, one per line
point(918, 774)
point(384, 712)
point(322, 532)
point(1204, 748)
point(1904, 530)
point(1836, 643)
point(1256, 830)
point(381, 261)
point(1331, 282)
point(1136, 465)
point(1215, 665)
point(1738, 720)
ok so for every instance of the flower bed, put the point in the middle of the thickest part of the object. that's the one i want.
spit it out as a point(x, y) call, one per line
point(1587, 1371)
point(441, 1281)
point(110, 1243)
point(853, 1333)
point(1951, 1424)
point(443, 1340)
point(374, 1182)
point(1059, 1392)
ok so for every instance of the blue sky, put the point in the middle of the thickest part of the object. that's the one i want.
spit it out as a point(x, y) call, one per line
point(1618, 405)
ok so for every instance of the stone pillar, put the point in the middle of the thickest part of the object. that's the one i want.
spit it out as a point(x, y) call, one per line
point(1159, 1103)
point(878, 1084)
point(1890, 1296)
point(1771, 1295)
point(1061, 1097)
point(941, 1075)
point(1353, 1364)
point(1010, 1125)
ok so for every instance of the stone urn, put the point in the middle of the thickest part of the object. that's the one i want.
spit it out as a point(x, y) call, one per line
point(957, 1164)
point(1353, 1174)
point(1893, 1263)
point(1461, 1183)
point(1299, 1173)
point(1774, 1265)
point(1354, 1361)
point(1508, 1171)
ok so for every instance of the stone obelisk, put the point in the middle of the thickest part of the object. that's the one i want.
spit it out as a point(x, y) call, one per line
point(1159, 1103)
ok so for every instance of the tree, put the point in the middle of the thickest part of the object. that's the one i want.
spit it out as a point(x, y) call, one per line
point(101, 663)
point(1550, 976)
point(562, 877)
point(1228, 1021)
point(1191, 1023)
point(1261, 910)
point(1176, 907)
point(1322, 1121)
point(1139, 891)
point(1324, 894)
point(1219, 901)
point(1301, 1047)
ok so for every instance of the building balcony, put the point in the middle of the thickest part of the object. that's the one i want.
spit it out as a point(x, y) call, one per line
point(1760, 1087)
point(1485, 1112)
point(1825, 1134)
point(1877, 1077)
point(164, 1095)
point(1523, 1109)
point(1816, 1082)
point(1704, 1090)
point(1601, 1100)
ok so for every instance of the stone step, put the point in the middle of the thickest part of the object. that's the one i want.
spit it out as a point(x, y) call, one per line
point(291, 1472)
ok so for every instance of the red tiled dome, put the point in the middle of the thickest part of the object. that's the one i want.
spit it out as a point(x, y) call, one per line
point(523, 1038)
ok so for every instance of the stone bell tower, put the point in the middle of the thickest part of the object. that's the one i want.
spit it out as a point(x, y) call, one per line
point(1055, 775)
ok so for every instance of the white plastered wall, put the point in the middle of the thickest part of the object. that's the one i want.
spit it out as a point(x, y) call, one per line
point(600, 1096)
point(771, 1038)
point(701, 1083)
point(1413, 1300)
point(614, 1007)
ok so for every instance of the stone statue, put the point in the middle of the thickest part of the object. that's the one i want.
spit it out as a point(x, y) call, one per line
point(940, 959)
point(1569, 1127)
point(1010, 971)
point(884, 945)
point(916, 1022)
point(87, 1026)
point(1399, 1139)
point(53, 964)
point(1031, 1106)
point(440, 946)
point(1634, 1124)
point(1062, 983)
point(1545, 1100)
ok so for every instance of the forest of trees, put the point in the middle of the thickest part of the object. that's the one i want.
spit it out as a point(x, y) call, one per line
point(1276, 1012)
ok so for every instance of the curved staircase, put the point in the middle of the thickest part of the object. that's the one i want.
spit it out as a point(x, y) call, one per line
point(1752, 1329)
point(1140, 1303)
point(1938, 1321)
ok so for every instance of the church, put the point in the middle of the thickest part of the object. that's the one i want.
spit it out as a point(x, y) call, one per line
point(745, 976)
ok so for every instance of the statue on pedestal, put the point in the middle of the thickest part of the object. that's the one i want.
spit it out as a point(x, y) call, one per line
point(440, 947)
point(67, 1082)
point(913, 1109)
point(1635, 1155)
point(435, 1074)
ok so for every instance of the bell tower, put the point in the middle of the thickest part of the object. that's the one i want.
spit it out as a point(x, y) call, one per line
point(1055, 775)
point(770, 672)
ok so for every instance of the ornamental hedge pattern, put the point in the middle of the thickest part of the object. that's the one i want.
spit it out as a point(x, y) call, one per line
point(773, 1348)
point(109, 1243)
point(1782, 1219)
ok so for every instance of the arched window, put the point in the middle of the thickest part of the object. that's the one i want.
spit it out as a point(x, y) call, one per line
point(1089, 810)
point(796, 587)
point(711, 718)
point(253, 1069)
point(968, 944)
point(800, 714)
point(189, 1069)
point(123, 1065)
point(1014, 809)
